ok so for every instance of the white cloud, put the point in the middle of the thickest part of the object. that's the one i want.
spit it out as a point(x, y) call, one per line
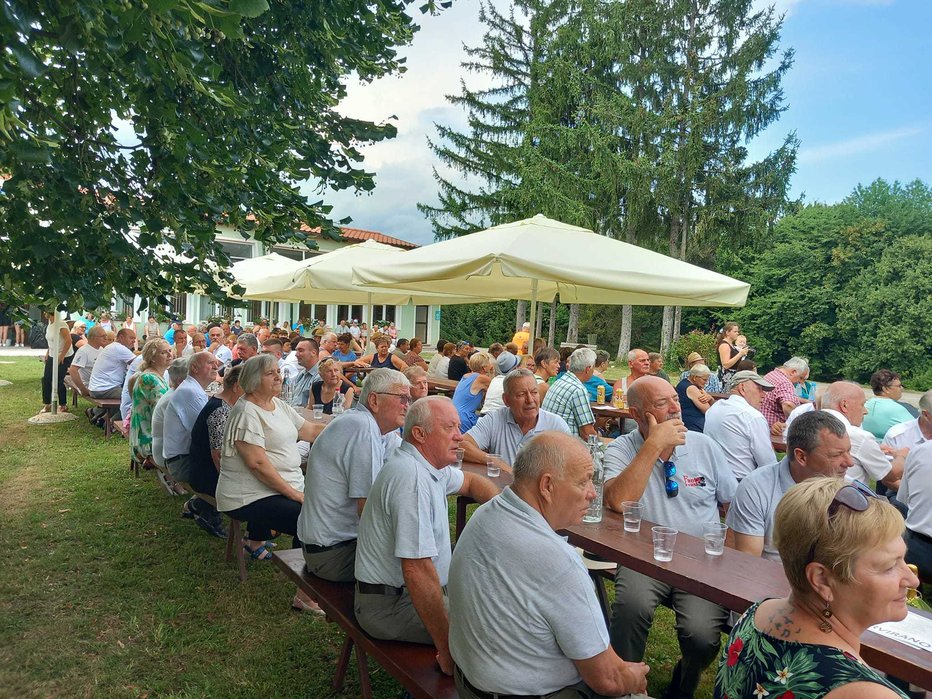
point(859, 144)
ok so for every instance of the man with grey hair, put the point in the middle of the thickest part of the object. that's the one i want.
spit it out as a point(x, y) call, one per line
point(681, 477)
point(247, 347)
point(403, 552)
point(638, 366)
point(341, 466)
point(177, 372)
point(504, 430)
point(737, 425)
point(83, 362)
point(817, 444)
point(567, 397)
point(328, 344)
point(780, 402)
point(520, 628)
point(845, 400)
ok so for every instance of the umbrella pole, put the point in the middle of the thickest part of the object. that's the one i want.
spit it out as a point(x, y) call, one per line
point(56, 348)
point(530, 342)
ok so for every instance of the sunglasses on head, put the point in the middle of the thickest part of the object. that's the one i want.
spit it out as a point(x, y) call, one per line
point(855, 496)
point(670, 485)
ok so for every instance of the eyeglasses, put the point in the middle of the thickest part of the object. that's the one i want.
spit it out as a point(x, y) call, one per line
point(670, 484)
point(855, 496)
point(402, 398)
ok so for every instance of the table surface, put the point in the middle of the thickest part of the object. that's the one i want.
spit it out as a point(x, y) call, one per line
point(308, 415)
point(734, 580)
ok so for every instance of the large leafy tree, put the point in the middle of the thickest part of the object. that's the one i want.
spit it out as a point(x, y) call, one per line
point(847, 285)
point(127, 126)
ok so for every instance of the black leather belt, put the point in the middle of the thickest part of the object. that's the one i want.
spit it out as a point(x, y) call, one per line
point(491, 695)
point(314, 548)
point(174, 459)
point(371, 589)
point(921, 537)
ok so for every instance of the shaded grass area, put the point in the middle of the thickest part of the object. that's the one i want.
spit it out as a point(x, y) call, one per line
point(106, 591)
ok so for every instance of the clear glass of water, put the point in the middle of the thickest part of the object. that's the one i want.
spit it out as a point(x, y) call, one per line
point(492, 469)
point(460, 454)
point(713, 536)
point(318, 411)
point(632, 511)
point(664, 541)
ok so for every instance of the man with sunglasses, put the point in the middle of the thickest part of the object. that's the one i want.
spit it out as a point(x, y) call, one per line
point(341, 466)
point(680, 477)
point(817, 444)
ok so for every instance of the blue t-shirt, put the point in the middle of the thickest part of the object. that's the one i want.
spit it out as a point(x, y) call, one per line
point(466, 403)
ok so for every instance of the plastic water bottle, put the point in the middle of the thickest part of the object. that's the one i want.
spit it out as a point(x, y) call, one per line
point(594, 513)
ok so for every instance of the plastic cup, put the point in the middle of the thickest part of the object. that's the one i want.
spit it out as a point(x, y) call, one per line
point(632, 512)
point(664, 541)
point(460, 454)
point(318, 411)
point(713, 536)
point(492, 469)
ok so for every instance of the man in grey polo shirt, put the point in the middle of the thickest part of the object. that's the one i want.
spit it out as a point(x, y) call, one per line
point(403, 552)
point(519, 628)
point(342, 464)
point(817, 445)
point(680, 477)
point(503, 430)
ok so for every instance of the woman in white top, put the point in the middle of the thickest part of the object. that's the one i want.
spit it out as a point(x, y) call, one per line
point(58, 327)
point(152, 328)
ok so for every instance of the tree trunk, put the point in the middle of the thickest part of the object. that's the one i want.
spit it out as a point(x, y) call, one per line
point(666, 332)
point(572, 330)
point(552, 332)
point(677, 322)
point(539, 323)
point(521, 315)
point(624, 341)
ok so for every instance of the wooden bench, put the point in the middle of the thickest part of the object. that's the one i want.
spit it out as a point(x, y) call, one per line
point(412, 664)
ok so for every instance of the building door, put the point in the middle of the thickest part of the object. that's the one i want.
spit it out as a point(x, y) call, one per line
point(421, 319)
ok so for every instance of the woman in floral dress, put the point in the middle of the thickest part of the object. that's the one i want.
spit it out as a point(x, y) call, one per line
point(842, 551)
point(146, 388)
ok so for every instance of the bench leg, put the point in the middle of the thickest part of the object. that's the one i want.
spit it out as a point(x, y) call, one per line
point(362, 665)
point(461, 503)
point(234, 541)
point(342, 664)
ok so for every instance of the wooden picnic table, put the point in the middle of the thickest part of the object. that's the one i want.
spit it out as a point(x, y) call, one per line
point(435, 385)
point(734, 580)
point(308, 414)
point(608, 410)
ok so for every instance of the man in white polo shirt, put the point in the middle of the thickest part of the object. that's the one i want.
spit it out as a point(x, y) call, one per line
point(82, 366)
point(110, 368)
point(916, 493)
point(503, 430)
point(845, 400)
point(341, 466)
point(739, 427)
point(216, 347)
point(403, 551)
point(907, 434)
point(518, 627)
point(817, 444)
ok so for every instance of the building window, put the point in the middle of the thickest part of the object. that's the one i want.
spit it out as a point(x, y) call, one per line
point(237, 251)
point(320, 312)
point(421, 319)
point(255, 311)
point(180, 306)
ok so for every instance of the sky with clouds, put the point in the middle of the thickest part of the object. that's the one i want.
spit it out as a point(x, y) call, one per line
point(858, 97)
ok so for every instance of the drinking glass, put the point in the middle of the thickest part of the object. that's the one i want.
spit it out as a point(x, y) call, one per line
point(713, 536)
point(664, 541)
point(632, 512)
point(492, 469)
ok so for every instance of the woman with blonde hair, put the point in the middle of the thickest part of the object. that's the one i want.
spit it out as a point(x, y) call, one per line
point(146, 387)
point(842, 551)
point(470, 391)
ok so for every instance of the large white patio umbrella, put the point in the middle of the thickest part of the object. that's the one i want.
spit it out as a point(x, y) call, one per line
point(328, 278)
point(537, 258)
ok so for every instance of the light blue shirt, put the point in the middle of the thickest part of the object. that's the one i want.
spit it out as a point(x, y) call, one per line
point(182, 410)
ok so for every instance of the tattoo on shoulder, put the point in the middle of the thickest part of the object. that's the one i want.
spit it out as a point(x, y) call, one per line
point(781, 623)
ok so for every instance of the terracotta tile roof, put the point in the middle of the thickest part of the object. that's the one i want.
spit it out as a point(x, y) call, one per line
point(360, 235)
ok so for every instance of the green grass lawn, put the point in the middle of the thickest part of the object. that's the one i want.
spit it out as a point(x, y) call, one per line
point(106, 591)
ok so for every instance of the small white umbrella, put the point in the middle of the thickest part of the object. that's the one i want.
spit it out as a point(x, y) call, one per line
point(328, 278)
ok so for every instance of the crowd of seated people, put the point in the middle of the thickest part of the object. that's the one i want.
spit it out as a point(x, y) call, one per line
point(364, 495)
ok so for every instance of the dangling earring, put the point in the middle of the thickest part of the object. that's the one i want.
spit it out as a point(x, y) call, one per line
point(825, 626)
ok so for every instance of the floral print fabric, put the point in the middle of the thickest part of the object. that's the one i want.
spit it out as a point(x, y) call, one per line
point(148, 389)
point(755, 665)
